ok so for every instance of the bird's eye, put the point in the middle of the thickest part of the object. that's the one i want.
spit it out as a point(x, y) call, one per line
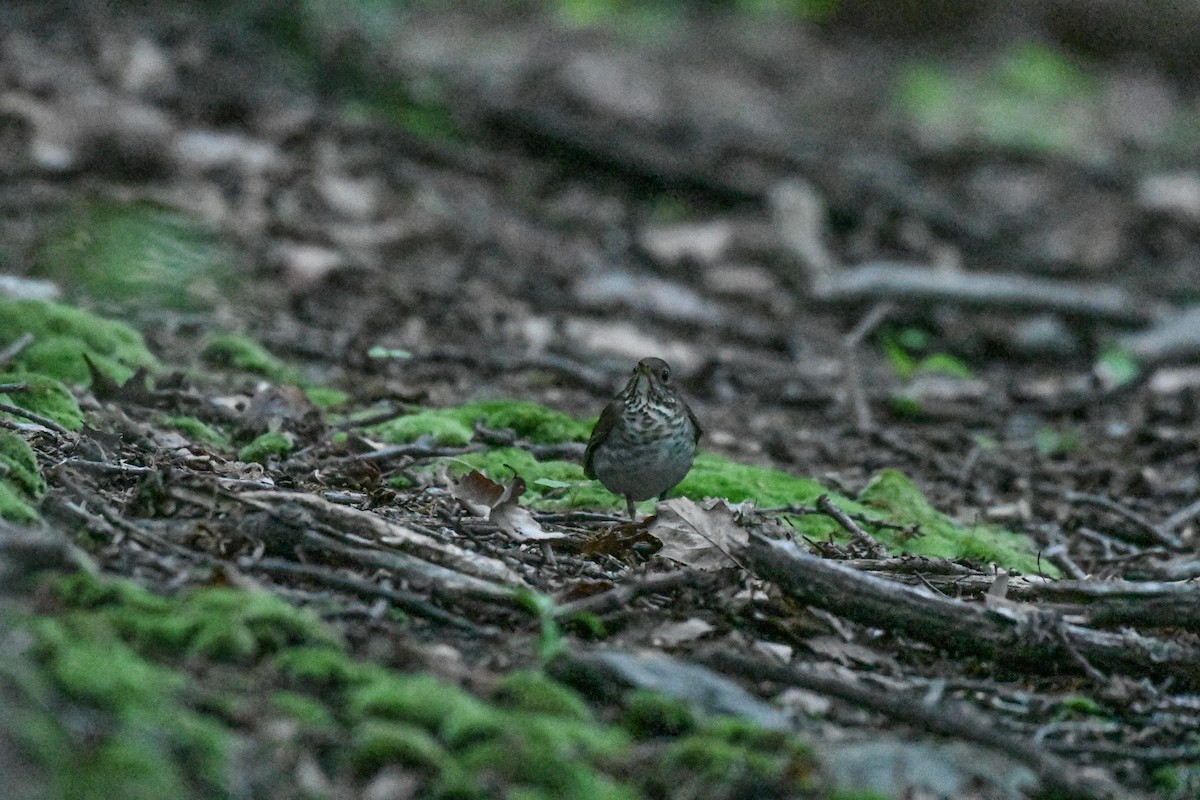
point(666, 375)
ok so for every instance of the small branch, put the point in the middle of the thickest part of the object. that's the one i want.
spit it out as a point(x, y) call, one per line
point(1158, 532)
point(45, 422)
point(923, 284)
point(861, 536)
point(945, 717)
point(851, 372)
point(15, 349)
point(403, 600)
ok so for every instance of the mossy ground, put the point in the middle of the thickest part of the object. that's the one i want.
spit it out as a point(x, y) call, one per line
point(62, 335)
point(555, 485)
point(122, 253)
point(233, 351)
point(456, 426)
point(143, 670)
point(21, 485)
point(265, 447)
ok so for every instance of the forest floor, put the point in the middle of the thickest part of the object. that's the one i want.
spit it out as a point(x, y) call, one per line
point(376, 275)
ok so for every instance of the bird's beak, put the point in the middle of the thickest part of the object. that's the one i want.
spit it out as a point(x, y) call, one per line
point(643, 378)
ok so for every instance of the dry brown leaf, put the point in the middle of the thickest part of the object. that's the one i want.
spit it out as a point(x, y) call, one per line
point(477, 492)
point(696, 536)
point(619, 540)
point(484, 497)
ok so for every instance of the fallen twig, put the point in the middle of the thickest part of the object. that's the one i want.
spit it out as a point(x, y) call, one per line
point(923, 284)
point(945, 717)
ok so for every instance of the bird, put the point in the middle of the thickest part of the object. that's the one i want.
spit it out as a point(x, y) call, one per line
point(646, 437)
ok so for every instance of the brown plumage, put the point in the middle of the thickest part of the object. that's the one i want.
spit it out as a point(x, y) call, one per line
point(644, 442)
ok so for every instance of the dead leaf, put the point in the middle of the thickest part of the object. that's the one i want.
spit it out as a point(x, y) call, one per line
point(696, 536)
point(477, 492)
point(483, 497)
point(619, 540)
point(676, 633)
point(280, 408)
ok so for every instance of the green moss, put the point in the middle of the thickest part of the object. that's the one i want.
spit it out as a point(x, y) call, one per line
point(321, 667)
point(537, 740)
point(265, 446)
point(375, 744)
point(144, 742)
point(62, 335)
point(650, 714)
point(452, 714)
point(197, 429)
point(15, 505)
point(1079, 704)
point(531, 421)
point(902, 503)
point(135, 253)
point(569, 488)
point(312, 714)
point(556, 485)
point(444, 429)
point(19, 465)
point(44, 396)
point(552, 754)
point(218, 623)
point(731, 752)
point(530, 690)
point(233, 351)
point(716, 476)
point(21, 484)
point(455, 426)
point(326, 398)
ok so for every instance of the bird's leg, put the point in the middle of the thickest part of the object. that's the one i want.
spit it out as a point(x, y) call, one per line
point(630, 508)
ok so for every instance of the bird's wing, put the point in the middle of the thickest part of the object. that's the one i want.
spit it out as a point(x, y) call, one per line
point(604, 426)
point(695, 422)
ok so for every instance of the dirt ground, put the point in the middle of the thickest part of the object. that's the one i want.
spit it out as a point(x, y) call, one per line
point(964, 251)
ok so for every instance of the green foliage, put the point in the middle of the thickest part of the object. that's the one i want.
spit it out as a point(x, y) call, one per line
point(441, 427)
point(62, 335)
point(320, 667)
point(1117, 367)
point(812, 10)
point(136, 253)
point(1032, 99)
point(1177, 782)
point(21, 484)
point(1080, 704)
point(550, 639)
point(451, 713)
point(903, 350)
point(1052, 442)
point(233, 351)
point(266, 446)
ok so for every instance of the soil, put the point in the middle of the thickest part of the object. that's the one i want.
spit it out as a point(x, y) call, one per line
point(514, 206)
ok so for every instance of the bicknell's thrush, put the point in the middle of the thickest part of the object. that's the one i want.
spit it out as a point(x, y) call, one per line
point(645, 439)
